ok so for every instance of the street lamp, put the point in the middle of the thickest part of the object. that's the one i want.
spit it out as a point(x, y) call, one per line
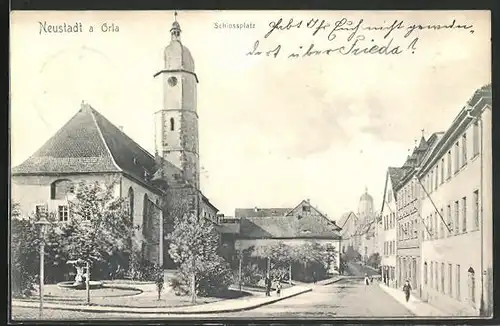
point(44, 223)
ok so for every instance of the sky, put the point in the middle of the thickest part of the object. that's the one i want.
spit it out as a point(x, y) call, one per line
point(273, 130)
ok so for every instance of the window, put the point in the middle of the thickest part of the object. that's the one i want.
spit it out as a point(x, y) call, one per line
point(425, 273)
point(472, 285)
point(442, 170)
point(145, 216)
point(449, 164)
point(432, 274)
point(436, 182)
point(442, 278)
point(436, 227)
point(429, 223)
point(457, 279)
point(436, 275)
point(172, 124)
point(449, 221)
point(441, 224)
point(464, 149)
point(476, 209)
point(306, 208)
point(457, 157)
point(131, 204)
point(431, 186)
point(59, 189)
point(450, 280)
point(63, 213)
point(457, 221)
point(475, 139)
point(464, 214)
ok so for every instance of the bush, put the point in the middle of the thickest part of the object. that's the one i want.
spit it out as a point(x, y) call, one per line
point(178, 285)
point(250, 274)
point(374, 260)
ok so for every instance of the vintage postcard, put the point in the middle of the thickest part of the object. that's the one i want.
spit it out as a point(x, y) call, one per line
point(251, 164)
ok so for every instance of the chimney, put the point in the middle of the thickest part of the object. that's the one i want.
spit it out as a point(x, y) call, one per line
point(121, 128)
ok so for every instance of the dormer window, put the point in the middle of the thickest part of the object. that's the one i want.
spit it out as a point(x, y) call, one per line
point(135, 161)
point(146, 175)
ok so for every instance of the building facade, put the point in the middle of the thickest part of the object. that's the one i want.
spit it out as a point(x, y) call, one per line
point(388, 233)
point(409, 218)
point(457, 205)
point(254, 227)
point(89, 148)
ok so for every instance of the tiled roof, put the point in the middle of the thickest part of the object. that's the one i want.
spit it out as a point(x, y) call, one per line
point(77, 147)
point(89, 142)
point(395, 174)
point(287, 227)
point(423, 146)
point(256, 212)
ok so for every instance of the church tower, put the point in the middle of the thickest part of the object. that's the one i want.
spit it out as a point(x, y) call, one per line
point(176, 124)
point(365, 208)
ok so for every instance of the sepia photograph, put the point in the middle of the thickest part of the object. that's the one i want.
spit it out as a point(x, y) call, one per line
point(250, 165)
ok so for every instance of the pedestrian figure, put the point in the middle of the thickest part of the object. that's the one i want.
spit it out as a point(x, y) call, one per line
point(278, 288)
point(314, 277)
point(268, 286)
point(406, 290)
point(367, 281)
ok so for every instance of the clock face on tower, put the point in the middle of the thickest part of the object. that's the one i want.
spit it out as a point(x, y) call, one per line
point(172, 81)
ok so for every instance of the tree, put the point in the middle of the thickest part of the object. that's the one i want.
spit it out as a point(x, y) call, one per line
point(330, 255)
point(193, 246)
point(100, 225)
point(374, 260)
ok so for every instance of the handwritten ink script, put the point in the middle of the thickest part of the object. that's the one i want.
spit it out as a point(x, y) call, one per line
point(76, 27)
point(348, 37)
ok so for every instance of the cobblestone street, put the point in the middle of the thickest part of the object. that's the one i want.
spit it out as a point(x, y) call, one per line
point(346, 298)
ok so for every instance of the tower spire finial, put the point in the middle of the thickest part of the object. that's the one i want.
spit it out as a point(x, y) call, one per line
point(175, 31)
point(422, 130)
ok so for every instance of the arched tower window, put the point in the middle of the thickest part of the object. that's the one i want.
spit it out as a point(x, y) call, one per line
point(59, 189)
point(172, 124)
point(131, 204)
point(472, 285)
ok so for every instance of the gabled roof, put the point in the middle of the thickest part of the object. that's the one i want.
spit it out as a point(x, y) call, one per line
point(423, 146)
point(90, 143)
point(395, 175)
point(276, 227)
point(256, 212)
point(298, 211)
point(345, 217)
point(77, 147)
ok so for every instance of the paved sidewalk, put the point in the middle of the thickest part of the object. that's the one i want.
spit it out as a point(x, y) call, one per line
point(415, 305)
point(214, 307)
